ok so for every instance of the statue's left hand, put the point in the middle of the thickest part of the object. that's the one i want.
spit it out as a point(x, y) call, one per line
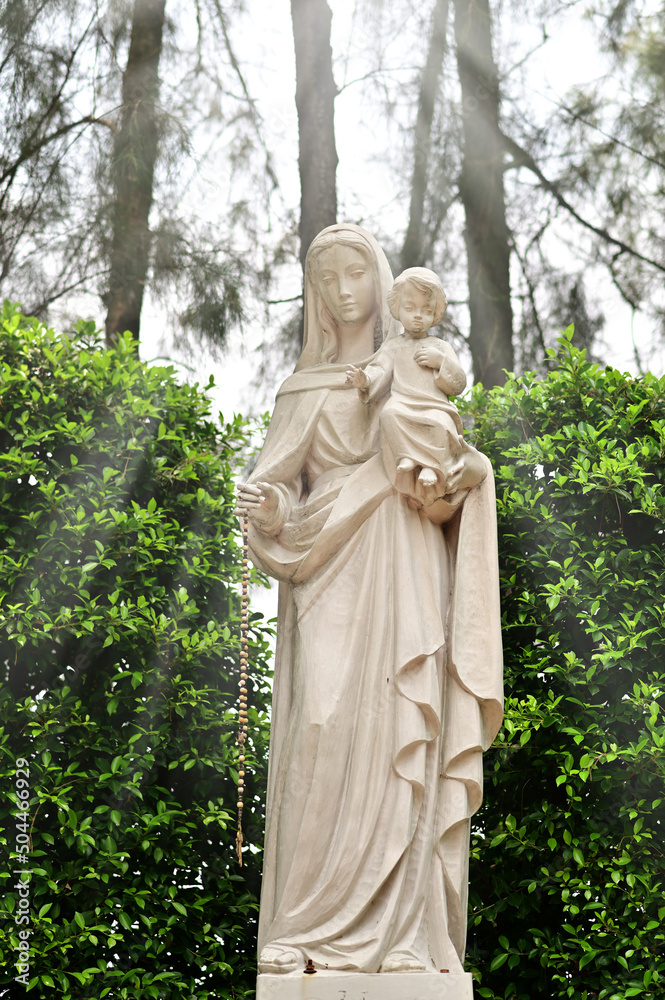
point(454, 477)
point(467, 473)
point(429, 356)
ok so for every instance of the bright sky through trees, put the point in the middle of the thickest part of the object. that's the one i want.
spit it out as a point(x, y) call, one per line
point(371, 188)
point(379, 49)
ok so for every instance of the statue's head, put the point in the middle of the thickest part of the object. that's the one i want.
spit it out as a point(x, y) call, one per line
point(425, 281)
point(349, 251)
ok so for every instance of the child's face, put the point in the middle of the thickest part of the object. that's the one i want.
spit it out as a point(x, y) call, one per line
point(416, 309)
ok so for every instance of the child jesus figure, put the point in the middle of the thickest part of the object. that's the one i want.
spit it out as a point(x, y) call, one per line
point(421, 430)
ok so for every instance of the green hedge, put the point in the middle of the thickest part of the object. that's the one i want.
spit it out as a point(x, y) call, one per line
point(568, 865)
point(119, 652)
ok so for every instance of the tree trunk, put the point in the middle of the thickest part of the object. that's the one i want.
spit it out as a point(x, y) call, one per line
point(412, 250)
point(315, 101)
point(481, 189)
point(134, 167)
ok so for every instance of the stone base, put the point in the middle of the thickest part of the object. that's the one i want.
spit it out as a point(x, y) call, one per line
point(365, 986)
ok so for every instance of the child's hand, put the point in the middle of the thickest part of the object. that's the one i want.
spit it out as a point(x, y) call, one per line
point(429, 356)
point(356, 377)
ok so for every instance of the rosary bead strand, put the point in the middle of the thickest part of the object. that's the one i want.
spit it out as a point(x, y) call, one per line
point(242, 701)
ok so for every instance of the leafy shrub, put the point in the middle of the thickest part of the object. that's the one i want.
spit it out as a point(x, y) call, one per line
point(568, 866)
point(119, 652)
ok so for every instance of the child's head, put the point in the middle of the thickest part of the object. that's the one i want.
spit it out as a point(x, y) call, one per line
point(422, 284)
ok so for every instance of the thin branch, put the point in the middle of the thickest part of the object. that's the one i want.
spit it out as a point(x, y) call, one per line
point(30, 151)
point(67, 271)
point(351, 36)
point(10, 173)
point(31, 146)
point(173, 361)
point(371, 74)
point(278, 302)
point(607, 135)
point(636, 353)
point(24, 33)
point(31, 212)
point(199, 35)
point(255, 115)
point(531, 293)
point(521, 158)
point(442, 212)
point(535, 239)
point(40, 307)
point(69, 64)
point(525, 58)
point(450, 327)
point(236, 65)
point(108, 122)
point(619, 287)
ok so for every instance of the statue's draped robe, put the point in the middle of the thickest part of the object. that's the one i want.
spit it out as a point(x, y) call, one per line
point(387, 690)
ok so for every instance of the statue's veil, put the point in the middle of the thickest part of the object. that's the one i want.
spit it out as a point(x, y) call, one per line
point(320, 338)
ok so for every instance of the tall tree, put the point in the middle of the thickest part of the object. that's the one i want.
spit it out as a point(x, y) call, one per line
point(315, 101)
point(482, 192)
point(412, 248)
point(134, 170)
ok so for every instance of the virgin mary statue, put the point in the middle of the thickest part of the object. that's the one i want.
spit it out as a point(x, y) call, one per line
point(388, 674)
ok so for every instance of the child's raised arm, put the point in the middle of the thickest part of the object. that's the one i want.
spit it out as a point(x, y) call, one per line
point(374, 380)
point(357, 377)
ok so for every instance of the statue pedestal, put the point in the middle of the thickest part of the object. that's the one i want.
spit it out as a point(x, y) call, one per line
point(365, 986)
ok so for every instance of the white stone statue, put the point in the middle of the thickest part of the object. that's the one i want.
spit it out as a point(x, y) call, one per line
point(388, 677)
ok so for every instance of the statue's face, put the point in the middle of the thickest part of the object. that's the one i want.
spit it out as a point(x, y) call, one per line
point(416, 309)
point(346, 283)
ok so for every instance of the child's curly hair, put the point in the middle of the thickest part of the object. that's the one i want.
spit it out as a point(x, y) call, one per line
point(425, 281)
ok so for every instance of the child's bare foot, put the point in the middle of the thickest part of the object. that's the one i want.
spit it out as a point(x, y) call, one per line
point(405, 465)
point(427, 477)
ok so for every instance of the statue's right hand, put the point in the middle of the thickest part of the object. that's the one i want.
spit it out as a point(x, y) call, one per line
point(258, 501)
